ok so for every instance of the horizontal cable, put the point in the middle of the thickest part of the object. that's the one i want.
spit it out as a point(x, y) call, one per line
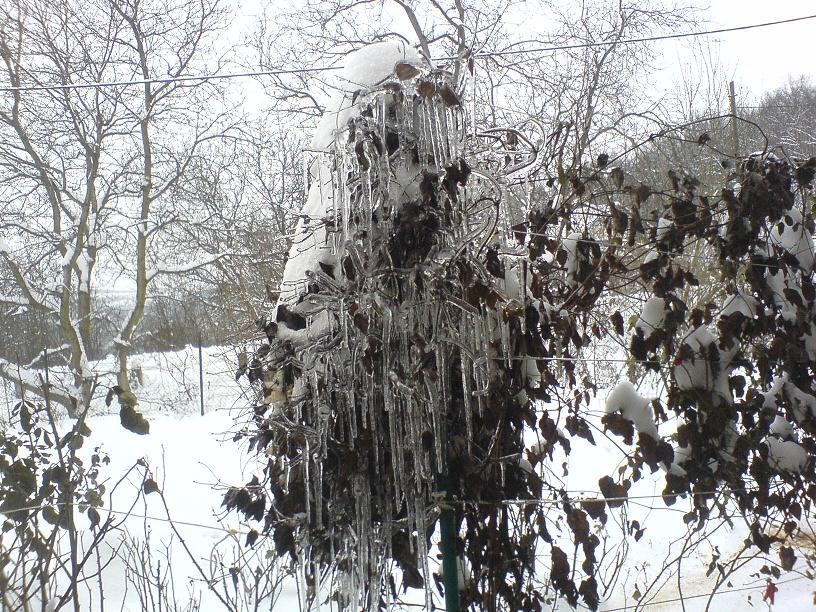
point(605, 43)
point(512, 502)
point(580, 500)
point(130, 514)
point(200, 79)
point(712, 594)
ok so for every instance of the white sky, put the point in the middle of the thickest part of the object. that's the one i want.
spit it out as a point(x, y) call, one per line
point(762, 59)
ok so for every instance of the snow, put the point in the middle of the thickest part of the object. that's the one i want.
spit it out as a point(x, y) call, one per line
point(652, 316)
point(664, 226)
point(634, 407)
point(84, 265)
point(803, 404)
point(5, 247)
point(810, 342)
point(782, 391)
point(777, 283)
point(782, 427)
point(191, 266)
point(18, 301)
point(570, 244)
point(786, 455)
point(795, 239)
point(681, 455)
point(192, 459)
point(699, 371)
point(742, 303)
point(312, 244)
point(362, 70)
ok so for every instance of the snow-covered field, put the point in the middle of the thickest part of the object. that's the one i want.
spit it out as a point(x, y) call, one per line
point(193, 459)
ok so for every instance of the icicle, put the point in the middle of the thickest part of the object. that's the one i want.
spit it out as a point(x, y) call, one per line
point(433, 134)
point(422, 547)
point(473, 96)
point(305, 457)
point(443, 136)
point(438, 405)
point(352, 413)
point(463, 365)
point(303, 597)
point(396, 454)
point(318, 466)
point(415, 431)
point(388, 395)
point(504, 331)
point(306, 175)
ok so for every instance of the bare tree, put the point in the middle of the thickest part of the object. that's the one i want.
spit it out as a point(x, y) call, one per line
point(788, 116)
point(241, 199)
point(88, 174)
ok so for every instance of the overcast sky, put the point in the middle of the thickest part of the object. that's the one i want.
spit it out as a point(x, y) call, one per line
point(762, 59)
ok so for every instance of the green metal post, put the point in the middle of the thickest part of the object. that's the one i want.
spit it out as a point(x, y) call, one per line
point(447, 529)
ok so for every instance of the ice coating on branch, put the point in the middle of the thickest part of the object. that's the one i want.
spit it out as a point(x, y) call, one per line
point(652, 316)
point(786, 455)
point(362, 70)
point(361, 379)
point(311, 256)
point(633, 406)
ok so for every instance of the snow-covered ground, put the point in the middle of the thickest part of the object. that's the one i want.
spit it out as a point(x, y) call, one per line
point(193, 459)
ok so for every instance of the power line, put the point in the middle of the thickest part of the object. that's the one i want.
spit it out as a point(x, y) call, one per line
point(127, 514)
point(581, 500)
point(656, 603)
point(181, 79)
point(598, 497)
point(712, 594)
point(281, 71)
point(605, 43)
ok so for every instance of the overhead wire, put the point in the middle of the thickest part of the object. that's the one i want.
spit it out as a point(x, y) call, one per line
point(712, 594)
point(607, 43)
point(598, 497)
point(317, 69)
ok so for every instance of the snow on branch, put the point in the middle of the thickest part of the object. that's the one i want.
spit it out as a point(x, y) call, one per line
point(186, 268)
point(27, 382)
